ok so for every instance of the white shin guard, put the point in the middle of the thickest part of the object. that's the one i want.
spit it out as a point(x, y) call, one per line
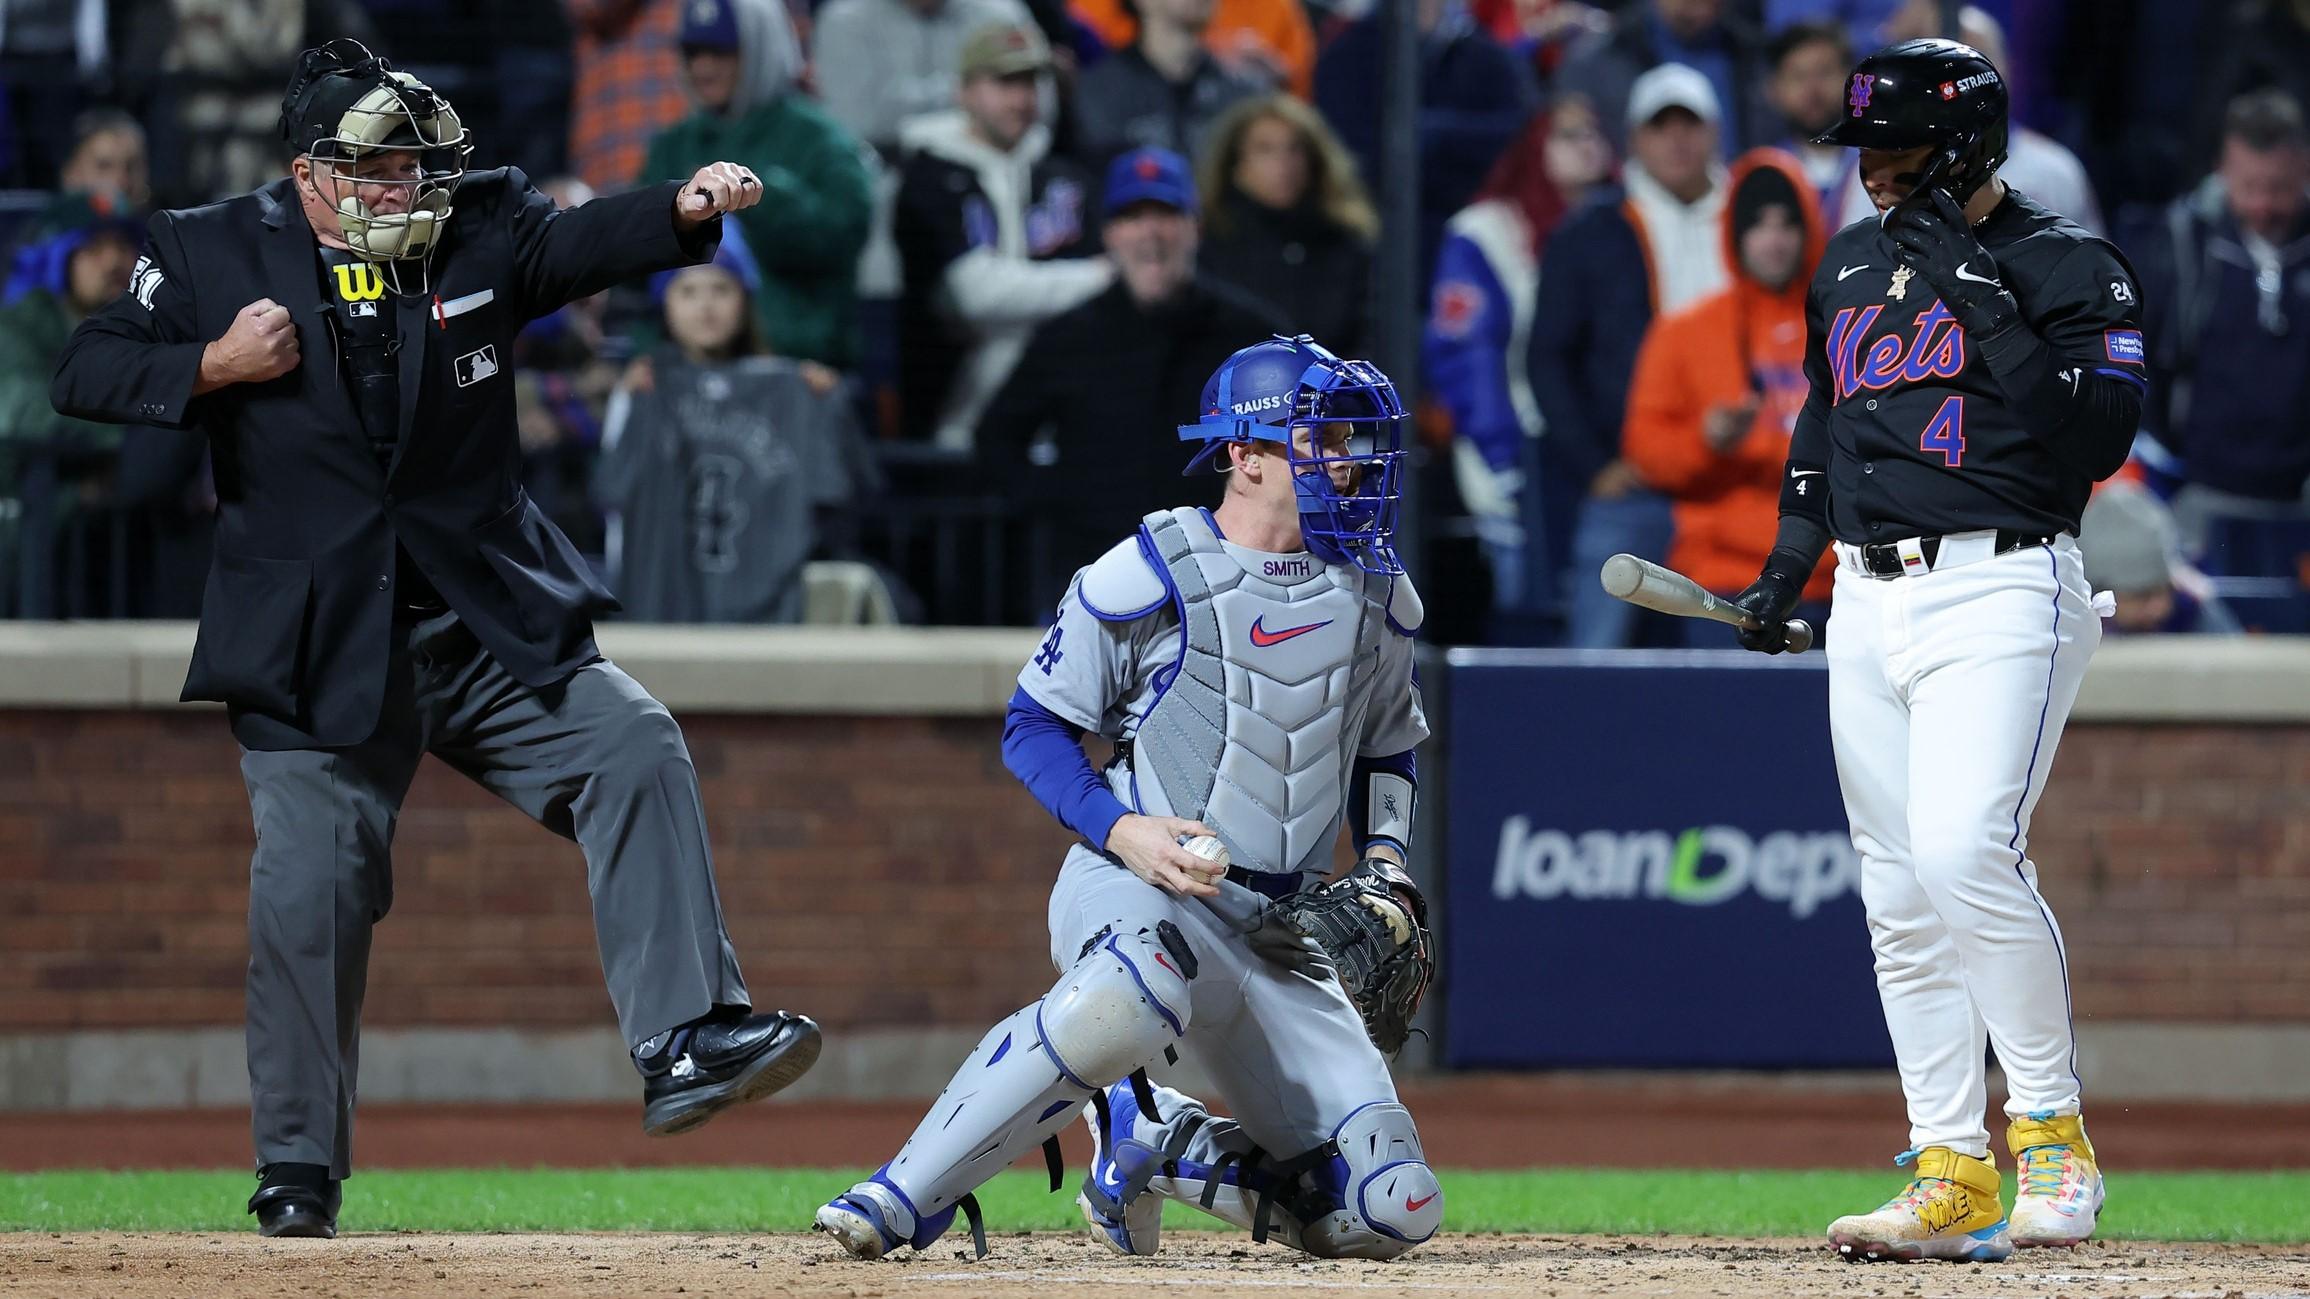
point(1115, 1011)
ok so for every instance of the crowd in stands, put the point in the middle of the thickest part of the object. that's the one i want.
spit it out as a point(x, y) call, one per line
point(1003, 242)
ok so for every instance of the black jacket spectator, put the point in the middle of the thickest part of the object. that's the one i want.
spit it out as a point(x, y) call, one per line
point(1311, 273)
point(990, 231)
point(2228, 390)
point(992, 243)
point(1285, 219)
point(1087, 427)
point(2226, 311)
point(1163, 91)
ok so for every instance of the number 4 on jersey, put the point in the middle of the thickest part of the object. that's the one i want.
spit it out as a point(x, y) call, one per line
point(1945, 432)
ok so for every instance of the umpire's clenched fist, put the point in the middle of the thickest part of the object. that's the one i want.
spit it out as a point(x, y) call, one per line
point(261, 345)
point(717, 188)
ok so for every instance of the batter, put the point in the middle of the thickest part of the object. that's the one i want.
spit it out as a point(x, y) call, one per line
point(1975, 366)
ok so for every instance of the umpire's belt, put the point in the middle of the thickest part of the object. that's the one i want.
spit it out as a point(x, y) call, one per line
point(1274, 885)
point(1917, 556)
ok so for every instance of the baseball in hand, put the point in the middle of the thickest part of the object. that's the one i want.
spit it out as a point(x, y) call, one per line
point(1210, 849)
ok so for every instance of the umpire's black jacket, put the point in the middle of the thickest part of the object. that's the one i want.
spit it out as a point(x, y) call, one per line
point(296, 621)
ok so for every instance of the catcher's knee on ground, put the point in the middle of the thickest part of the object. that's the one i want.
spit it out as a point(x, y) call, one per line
point(1386, 1197)
point(1365, 1193)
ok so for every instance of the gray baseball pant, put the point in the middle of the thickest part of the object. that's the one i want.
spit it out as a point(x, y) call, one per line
point(595, 759)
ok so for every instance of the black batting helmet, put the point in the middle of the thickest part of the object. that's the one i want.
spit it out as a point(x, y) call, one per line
point(1929, 92)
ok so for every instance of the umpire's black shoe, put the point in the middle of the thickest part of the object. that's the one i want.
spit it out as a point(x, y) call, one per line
point(701, 1070)
point(296, 1200)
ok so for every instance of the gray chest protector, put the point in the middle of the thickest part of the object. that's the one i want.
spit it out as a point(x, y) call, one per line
point(1254, 732)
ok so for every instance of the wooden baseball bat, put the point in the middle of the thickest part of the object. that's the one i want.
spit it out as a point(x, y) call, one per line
point(1647, 585)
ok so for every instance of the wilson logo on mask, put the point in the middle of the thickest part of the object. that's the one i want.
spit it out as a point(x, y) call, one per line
point(360, 282)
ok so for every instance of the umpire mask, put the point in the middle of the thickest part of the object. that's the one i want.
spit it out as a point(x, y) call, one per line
point(346, 104)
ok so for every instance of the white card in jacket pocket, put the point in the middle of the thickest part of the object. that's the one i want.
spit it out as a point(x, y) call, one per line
point(459, 306)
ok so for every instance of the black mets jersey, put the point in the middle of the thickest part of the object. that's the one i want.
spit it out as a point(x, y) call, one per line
point(1911, 428)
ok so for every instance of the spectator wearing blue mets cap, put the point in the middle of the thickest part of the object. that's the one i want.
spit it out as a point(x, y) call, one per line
point(740, 62)
point(1084, 430)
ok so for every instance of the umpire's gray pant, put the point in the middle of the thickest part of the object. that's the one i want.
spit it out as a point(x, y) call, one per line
point(595, 759)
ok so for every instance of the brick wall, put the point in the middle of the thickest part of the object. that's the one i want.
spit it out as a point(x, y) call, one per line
point(888, 872)
point(873, 871)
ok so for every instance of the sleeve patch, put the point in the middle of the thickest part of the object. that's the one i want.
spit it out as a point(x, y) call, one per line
point(979, 230)
point(2124, 345)
point(145, 281)
point(1456, 308)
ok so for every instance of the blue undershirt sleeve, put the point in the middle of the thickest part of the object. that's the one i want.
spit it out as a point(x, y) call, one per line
point(1045, 751)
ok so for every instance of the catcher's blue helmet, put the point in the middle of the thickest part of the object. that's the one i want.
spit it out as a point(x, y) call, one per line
point(1268, 390)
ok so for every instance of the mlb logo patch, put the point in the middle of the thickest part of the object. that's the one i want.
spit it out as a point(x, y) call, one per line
point(2124, 345)
point(361, 310)
point(473, 367)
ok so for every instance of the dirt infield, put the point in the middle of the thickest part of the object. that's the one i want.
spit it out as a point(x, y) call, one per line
point(1042, 1266)
point(1472, 1121)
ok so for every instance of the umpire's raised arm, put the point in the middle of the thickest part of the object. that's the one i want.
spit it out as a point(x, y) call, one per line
point(562, 255)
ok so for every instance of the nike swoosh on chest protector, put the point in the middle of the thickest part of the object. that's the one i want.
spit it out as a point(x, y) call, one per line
point(1263, 638)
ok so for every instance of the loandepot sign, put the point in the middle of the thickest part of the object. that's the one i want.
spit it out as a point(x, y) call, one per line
point(1702, 867)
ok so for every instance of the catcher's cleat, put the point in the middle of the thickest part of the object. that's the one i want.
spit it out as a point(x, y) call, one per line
point(699, 1071)
point(2059, 1195)
point(861, 1220)
point(874, 1217)
point(1949, 1211)
point(1123, 1214)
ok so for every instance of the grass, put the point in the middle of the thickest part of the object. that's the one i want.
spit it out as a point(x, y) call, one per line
point(2261, 1207)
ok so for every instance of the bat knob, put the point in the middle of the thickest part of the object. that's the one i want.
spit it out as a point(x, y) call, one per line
point(1800, 634)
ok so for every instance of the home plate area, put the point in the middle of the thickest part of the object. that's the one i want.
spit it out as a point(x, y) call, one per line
point(1041, 1265)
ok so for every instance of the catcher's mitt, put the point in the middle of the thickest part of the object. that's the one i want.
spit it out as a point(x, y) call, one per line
point(1373, 924)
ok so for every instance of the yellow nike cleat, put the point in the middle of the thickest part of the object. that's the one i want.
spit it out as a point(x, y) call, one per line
point(1949, 1211)
point(2060, 1191)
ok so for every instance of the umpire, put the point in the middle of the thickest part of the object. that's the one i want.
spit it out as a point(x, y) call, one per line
point(383, 588)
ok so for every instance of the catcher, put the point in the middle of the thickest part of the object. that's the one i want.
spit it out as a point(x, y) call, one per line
point(1253, 666)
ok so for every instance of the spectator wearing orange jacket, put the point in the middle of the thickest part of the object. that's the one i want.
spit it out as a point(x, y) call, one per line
point(1268, 39)
point(1719, 383)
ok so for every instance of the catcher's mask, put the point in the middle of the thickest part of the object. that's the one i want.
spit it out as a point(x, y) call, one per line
point(346, 104)
point(1269, 390)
